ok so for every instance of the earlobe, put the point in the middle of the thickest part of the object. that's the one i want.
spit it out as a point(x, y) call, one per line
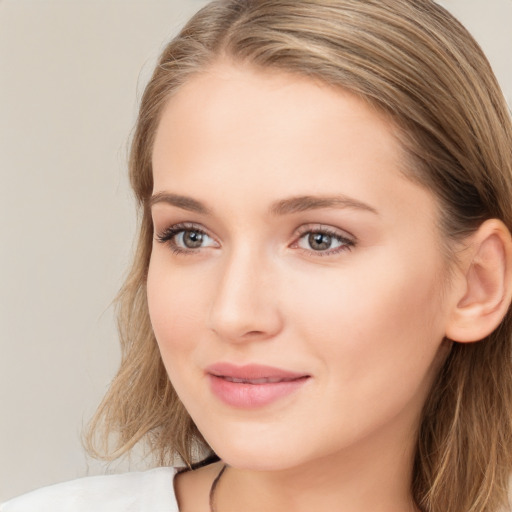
point(486, 288)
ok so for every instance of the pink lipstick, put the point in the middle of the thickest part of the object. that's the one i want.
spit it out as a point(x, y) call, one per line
point(252, 385)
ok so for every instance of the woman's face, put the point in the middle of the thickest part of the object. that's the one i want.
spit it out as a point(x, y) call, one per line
point(296, 279)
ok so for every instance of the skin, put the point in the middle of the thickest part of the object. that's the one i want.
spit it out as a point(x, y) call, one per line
point(366, 323)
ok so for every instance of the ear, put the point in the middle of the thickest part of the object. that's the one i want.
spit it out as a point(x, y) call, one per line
point(483, 291)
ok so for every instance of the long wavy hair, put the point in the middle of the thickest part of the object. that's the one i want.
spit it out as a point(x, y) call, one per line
point(416, 63)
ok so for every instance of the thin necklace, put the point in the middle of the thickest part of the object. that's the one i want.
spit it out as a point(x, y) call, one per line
point(213, 487)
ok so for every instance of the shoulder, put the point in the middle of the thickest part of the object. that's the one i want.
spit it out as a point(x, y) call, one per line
point(146, 491)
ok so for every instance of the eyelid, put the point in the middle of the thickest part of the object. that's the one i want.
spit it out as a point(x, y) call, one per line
point(167, 235)
point(348, 240)
point(324, 228)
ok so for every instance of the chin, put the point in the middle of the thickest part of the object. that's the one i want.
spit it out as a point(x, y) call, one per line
point(256, 451)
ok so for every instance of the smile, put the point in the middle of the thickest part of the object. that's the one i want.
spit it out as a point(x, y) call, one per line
point(269, 380)
point(252, 386)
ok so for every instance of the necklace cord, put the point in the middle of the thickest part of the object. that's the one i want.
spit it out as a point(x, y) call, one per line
point(213, 487)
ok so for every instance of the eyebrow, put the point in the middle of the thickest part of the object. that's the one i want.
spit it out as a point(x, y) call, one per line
point(281, 207)
point(183, 202)
point(304, 203)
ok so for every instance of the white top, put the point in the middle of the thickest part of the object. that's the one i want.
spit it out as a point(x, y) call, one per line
point(147, 491)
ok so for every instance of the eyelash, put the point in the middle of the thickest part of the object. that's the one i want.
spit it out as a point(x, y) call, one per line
point(167, 237)
point(347, 244)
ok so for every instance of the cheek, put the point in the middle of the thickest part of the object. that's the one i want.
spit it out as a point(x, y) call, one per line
point(368, 326)
point(374, 338)
point(175, 308)
point(396, 294)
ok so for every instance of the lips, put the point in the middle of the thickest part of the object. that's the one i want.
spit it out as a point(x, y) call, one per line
point(252, 373)
point(271, 380)
point(252, 386)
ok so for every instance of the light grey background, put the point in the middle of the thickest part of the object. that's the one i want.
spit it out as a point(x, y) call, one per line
point(71, 73)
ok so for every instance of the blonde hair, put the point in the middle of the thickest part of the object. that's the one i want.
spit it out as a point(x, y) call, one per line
point(413, 61)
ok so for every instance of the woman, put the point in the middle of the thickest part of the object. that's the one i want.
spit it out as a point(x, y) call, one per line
point(319, 307)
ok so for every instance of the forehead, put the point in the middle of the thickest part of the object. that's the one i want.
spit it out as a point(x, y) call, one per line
point(273, 106)
point(269, 134)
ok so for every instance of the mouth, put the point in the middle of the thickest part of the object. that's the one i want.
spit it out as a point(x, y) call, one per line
point(253, 373)
point(264, 380)
point(253, 386)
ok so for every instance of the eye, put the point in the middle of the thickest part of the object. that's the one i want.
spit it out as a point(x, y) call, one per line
point(324, 241)
point(184, 238)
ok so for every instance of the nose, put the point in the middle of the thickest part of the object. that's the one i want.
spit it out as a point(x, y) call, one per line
point(244, 305)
